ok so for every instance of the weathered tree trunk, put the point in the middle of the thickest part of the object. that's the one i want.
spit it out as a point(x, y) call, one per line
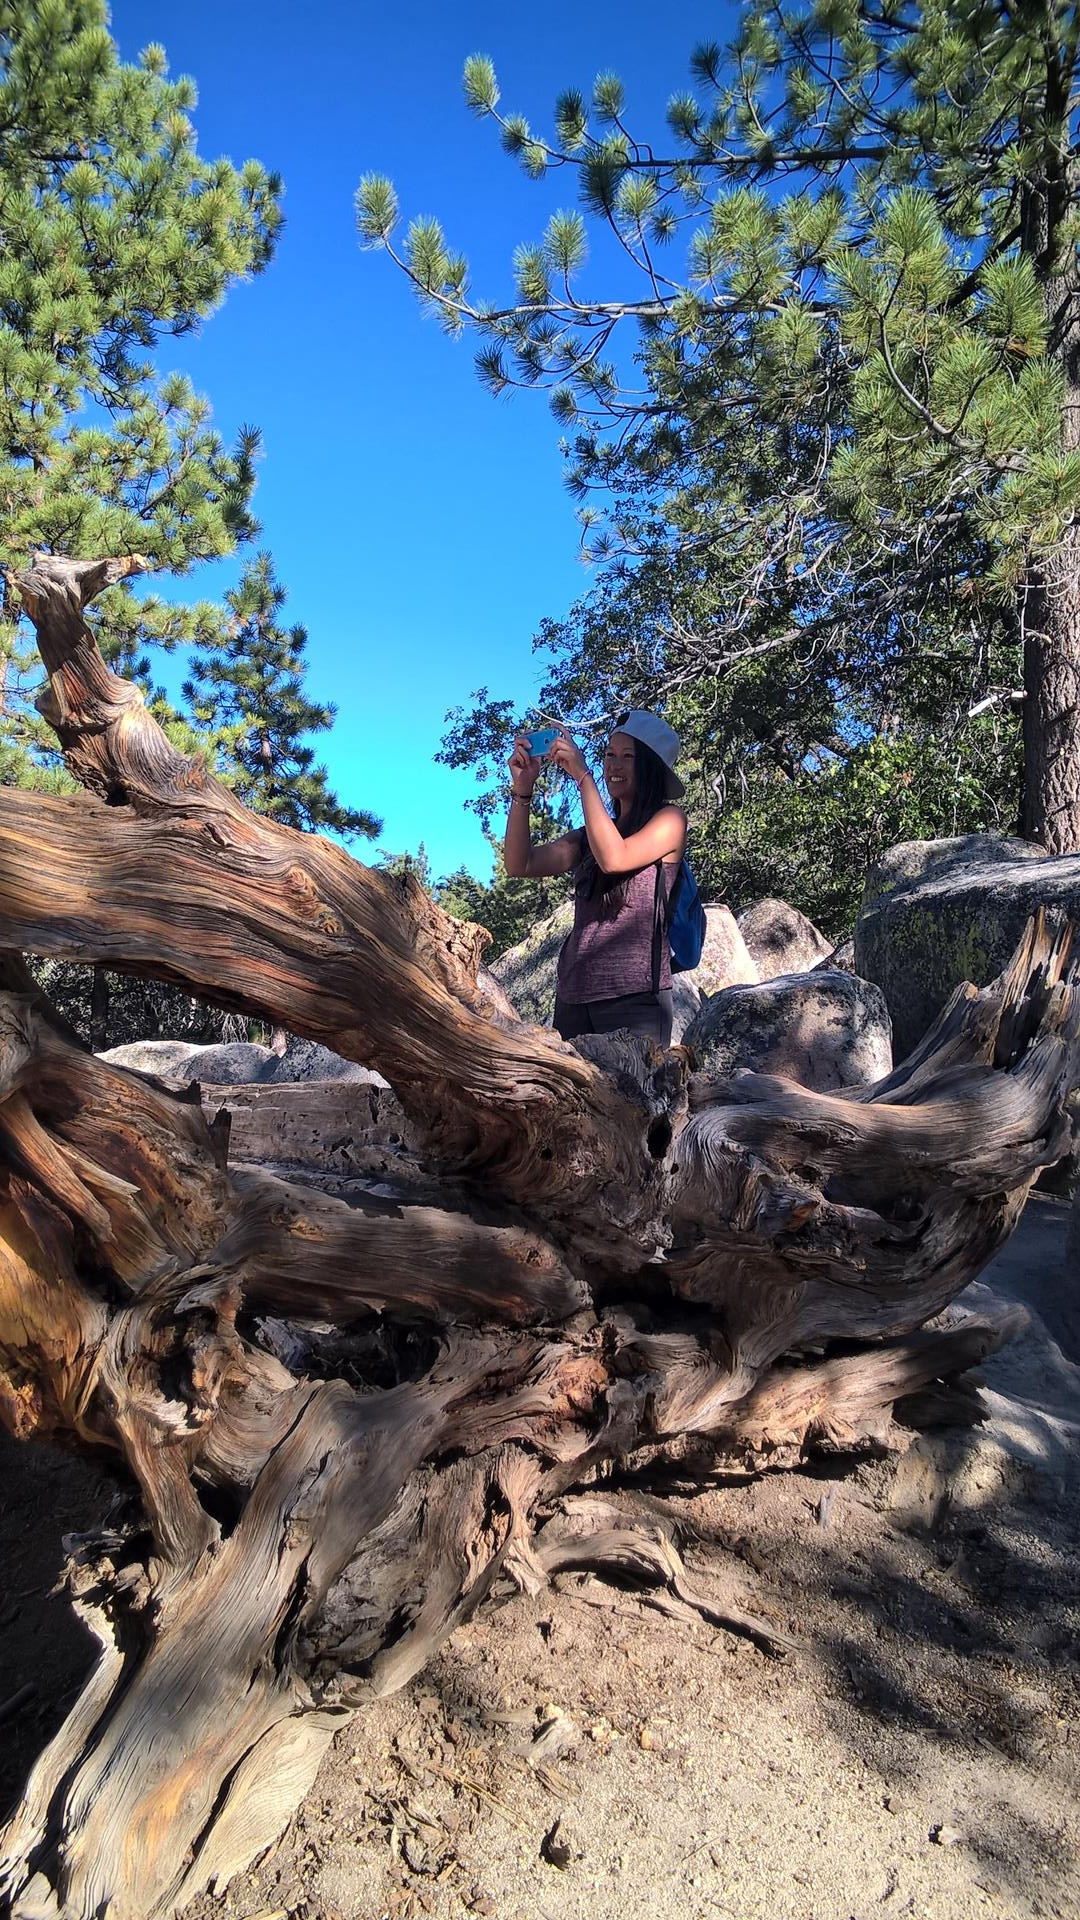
point(1050, 623)
point(99, 1010)
point(1049, 599)
point(584, 1255)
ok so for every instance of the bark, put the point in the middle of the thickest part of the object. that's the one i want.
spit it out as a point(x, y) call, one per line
point(99, 1010)
point(1049, 601)
point(1050, 622)
point(569, 1258)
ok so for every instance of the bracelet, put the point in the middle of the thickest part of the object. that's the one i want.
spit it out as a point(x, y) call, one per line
point(523, 799)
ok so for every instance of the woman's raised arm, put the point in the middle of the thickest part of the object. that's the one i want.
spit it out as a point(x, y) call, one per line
point(661, 838)
point(520, 858)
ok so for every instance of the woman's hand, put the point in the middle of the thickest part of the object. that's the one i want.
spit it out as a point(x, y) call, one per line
point(524, 768)
point(563, 753)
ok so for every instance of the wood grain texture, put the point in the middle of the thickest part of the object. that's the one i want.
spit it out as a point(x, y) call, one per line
point(354, 1392)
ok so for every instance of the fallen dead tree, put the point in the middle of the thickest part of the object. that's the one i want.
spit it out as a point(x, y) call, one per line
point(586, 1259)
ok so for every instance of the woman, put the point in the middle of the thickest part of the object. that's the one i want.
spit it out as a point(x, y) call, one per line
point(615, 967)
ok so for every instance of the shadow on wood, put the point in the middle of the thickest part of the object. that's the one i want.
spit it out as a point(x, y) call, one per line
point(584, 1258)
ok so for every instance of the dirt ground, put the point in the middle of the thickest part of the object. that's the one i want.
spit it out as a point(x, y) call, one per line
point(581, 1755)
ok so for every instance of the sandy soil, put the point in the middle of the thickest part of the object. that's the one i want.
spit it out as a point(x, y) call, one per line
point(581, 1755)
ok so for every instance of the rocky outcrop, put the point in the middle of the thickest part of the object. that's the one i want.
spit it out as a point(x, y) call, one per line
point(917, 859)
point(780, 939)
point(526, 972)
point(239, 1064)
point(955, 913)
point(306, 1060)
point(725, 958)
point(826, 1030)
point(1027, 1444)
point(222, 1065)
point(841, 959)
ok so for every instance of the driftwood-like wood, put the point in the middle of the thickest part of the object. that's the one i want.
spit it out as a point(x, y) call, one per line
point(352, 1401)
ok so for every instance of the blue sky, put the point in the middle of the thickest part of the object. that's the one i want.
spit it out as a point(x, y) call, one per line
point(421, 528)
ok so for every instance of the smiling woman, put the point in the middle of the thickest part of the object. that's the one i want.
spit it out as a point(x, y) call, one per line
point(615, 967)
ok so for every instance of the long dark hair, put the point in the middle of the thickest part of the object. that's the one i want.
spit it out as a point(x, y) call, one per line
point(650, 794)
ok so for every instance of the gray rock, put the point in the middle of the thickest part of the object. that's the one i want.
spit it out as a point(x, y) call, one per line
point(686, 1004)
point(1065, 1316)
point(780, 939)
point(725, 958)
point(496, 1000)
point(307, 1060)
point(526, 972)
point(162, 1057)
point(1029, 1445)
point(915, 859)
point(955, 915)
point(238, 1064)
point(232, 1065)
point(1025, 1452)
point(219, 1065)
point(826, 1030)
point(840, 960)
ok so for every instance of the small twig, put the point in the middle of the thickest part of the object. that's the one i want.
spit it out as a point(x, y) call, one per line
point(471, 1786)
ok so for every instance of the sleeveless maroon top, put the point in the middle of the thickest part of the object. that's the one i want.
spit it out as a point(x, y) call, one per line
point(604, 959)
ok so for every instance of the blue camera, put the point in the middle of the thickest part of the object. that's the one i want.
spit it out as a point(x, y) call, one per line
point(540, 739)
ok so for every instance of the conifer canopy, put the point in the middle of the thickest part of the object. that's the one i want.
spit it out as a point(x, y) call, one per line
point(815, 348)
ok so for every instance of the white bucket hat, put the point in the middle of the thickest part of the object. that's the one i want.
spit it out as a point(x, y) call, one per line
point(655, 733)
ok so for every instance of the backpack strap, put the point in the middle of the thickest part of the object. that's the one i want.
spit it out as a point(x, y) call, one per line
point(663, 914)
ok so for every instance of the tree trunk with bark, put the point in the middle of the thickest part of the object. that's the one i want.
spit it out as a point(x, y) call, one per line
point(578, 1258)
point(99, 1010)
point(1049, 601)
point(1050, 625)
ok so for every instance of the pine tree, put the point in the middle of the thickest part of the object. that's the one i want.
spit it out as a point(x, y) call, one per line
point(248, 693)
point(416, 865)
point(116, 237)
point(858, 396)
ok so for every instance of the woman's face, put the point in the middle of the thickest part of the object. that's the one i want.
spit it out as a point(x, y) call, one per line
point(619, 768)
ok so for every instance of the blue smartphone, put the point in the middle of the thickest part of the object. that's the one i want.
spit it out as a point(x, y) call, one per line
point(540, 739)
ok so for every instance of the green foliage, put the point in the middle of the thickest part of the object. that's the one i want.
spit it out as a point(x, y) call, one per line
point(571, 120)
point(819, 460)
point(481, 87)
point(565, 242)
point(417, 864)
point(117, 236)
point(916, 270)
point(480, 737)
point(798, 774)
point(811, 838)
point(376, 209)
point(248, 695)
point(507, 908)
point(114, 1009)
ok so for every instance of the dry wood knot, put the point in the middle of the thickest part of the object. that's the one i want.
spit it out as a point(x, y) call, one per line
point(307, 904)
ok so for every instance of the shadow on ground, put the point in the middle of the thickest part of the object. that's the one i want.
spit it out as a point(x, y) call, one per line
point(919, 1757)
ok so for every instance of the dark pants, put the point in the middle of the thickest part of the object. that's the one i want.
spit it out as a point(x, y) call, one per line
point(644, 1013)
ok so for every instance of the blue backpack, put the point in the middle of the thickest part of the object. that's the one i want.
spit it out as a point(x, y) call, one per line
point(683, 921)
